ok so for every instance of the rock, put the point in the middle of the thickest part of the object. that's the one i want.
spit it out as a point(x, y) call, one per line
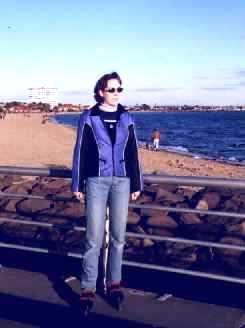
point(217, 220)
point(150, 211)
point(162, 232)
point(60, 221)
point(144, 221)
point(162, 221)
point(144, 199)
point(73, 239)
point(205, 256)
point(32, 206)
point(29, 185)
point(23, 188)
point(17, 231)
point(238, 192)
point(161, 194)
point(183, 261)
point(190, 218)
point(204, 231)
point(168, 187)
point(81, 221)
point(4, 185)
point(8, 180)
point(147, 243)
point(64, 193)
point(132, 243)
point(197, 195)
point(233, 259)
point(182, 205)
point(52, 186)
point(181, 254)
point(55, 208)
point(188, 193)
point(13, 215)
point(168, 197)
point(239, 200)
point(10, 206)
point(137, 243)
point(238, 228)
point(230, 205)
point(60, 208)
point(137, 229)
point(72, 210)
point(202, 205)
point(3, 202)
point(133, 218)
point(50, 237)
point(212, 199)
point(150, 190)
point(226, 252)
point(223, 192)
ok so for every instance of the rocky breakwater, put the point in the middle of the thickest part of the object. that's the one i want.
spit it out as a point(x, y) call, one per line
point(64, 214)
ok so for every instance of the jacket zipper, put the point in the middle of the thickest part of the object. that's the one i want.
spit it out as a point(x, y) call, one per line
point(113, 163)
point(113, 145)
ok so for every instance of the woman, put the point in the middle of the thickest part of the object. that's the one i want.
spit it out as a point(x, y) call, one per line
point(106, 168)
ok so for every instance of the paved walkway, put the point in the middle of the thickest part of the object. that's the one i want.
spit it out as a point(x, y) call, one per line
point(32, 299)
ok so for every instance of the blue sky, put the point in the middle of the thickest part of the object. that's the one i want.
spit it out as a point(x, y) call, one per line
point(166, 51)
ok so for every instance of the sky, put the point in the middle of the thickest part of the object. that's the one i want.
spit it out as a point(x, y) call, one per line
point(166, 51)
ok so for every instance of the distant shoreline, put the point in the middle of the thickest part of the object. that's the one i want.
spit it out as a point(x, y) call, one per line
point(161, 111)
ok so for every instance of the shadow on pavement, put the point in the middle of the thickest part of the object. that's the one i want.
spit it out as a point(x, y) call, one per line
point(57, 268)
point(41, 314)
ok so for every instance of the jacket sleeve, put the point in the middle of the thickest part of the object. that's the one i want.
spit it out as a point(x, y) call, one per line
point(132, 161)
point(78, 165)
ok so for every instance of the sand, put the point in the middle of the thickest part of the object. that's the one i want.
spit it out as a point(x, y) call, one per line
point(25, 141)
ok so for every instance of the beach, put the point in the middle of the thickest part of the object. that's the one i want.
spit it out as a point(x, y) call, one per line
point(25, 141)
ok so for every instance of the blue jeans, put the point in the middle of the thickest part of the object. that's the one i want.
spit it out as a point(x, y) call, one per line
point(101, 191)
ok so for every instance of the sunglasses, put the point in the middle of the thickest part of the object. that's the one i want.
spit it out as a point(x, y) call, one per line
point(113, 90)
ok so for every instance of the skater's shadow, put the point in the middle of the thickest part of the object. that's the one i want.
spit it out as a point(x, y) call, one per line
point(64, 290)
point(102, 293)
point(101, 290)
point(71, 297)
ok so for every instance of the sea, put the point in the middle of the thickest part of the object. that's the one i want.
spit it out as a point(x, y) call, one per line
point(213, 135)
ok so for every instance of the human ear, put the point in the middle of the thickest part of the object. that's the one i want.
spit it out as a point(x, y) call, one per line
point(101, 93)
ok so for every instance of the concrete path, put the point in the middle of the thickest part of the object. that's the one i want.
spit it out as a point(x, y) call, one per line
point(32, 299)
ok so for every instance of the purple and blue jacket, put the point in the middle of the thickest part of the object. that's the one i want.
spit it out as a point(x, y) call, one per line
point(96, 156)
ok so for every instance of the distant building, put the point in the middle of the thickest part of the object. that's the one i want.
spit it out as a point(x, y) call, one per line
point(43, 95)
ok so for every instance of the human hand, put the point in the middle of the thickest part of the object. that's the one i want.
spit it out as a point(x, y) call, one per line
point(135, 195)
point(79, 195)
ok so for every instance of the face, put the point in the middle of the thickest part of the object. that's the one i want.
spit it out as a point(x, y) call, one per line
point(111, 98)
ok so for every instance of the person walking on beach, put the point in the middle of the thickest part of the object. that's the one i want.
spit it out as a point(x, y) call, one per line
point(155, 137)
point(105, 171)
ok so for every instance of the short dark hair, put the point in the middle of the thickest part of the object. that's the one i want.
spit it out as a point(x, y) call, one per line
point(101, 84)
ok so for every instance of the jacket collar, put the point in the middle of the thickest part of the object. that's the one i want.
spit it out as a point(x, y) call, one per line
point(95, 110)
point(95, 117)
